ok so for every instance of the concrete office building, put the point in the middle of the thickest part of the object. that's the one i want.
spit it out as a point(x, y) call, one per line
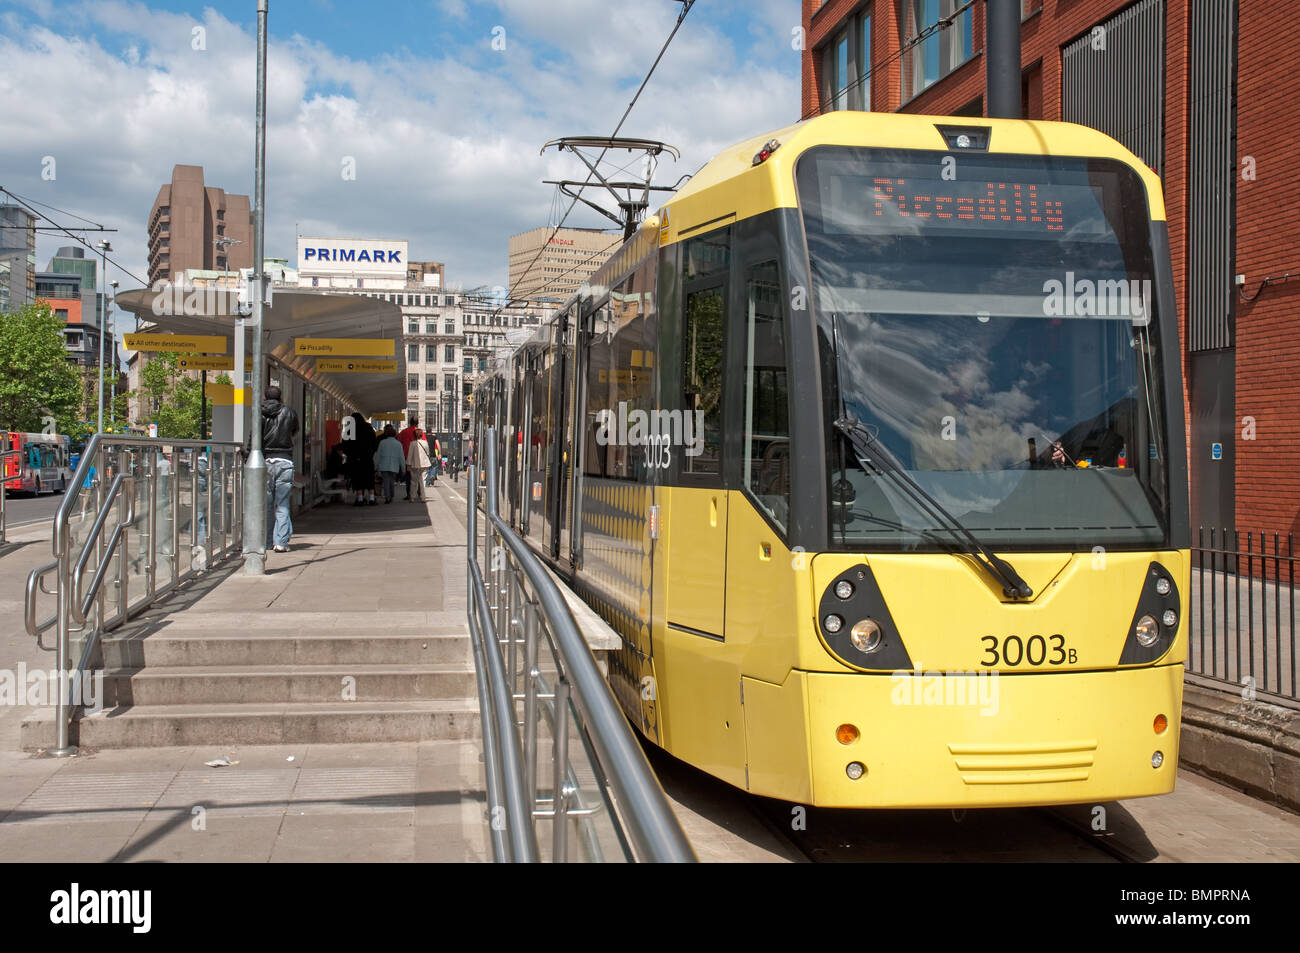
point(555, 267)
point(185, 221)
point(1204, 92)
point(17, 257)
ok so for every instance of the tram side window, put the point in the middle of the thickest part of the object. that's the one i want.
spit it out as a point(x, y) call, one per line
point(620, 369)
point(706, 262)
point(767, 420)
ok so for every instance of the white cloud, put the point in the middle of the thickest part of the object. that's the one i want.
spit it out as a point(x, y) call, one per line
point(445, 146)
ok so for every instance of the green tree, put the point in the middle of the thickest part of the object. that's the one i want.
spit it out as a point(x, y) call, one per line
point(36, 379)
point(170, 398)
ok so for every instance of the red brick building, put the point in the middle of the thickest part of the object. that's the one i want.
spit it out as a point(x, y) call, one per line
point(1207, 92)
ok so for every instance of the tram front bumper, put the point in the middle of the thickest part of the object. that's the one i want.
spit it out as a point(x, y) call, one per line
point(935, 740)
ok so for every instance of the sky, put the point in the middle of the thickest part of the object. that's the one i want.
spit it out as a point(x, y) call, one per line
point(439, 107)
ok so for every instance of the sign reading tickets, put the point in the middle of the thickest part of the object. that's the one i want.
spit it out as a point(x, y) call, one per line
point(345, 347)
point(210, 343)
point(210, 362)
point(355, 366)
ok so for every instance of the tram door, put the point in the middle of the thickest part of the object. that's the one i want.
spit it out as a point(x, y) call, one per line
point(698, 545)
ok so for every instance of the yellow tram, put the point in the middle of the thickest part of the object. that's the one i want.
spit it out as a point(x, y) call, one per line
point(870, 445)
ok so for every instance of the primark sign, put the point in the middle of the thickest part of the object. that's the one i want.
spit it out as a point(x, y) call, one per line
point(351, 256)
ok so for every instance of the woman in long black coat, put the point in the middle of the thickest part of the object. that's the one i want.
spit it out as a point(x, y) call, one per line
point(361, 465)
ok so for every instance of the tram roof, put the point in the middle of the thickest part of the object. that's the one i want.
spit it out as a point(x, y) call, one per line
point(730, 187)
point(294, 313)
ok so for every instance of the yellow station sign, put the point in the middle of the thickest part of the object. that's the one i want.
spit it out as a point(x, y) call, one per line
point(210, 362)
point(345, 347)
point(207, 343)
point(396, 418)
point(355, 366)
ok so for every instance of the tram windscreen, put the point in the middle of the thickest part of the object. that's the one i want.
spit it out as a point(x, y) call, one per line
point(990, 320)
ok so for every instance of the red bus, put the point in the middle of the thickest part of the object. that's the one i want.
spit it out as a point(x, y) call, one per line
point(41, 462)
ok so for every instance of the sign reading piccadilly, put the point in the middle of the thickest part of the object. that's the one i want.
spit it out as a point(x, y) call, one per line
point(334, 365)
point(348, 256)
point(211, 343)
point(356, 347)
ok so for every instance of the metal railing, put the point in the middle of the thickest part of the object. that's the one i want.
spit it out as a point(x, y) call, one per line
point(1243, 611)
point(6, 455)
point(601, 797)
point(131, 505)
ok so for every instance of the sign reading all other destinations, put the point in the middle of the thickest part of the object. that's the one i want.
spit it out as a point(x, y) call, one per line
point(210, 362)
point(345, 347)
point(355, 366)
point(351, 256)
point(207, 343)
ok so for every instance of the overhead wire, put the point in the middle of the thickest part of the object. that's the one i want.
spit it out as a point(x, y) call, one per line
point(686, 8)
point(77, 238)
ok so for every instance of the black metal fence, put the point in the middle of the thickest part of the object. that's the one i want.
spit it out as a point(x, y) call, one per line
point(1243, 610)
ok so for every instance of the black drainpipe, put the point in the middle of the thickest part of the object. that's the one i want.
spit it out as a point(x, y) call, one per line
point(1002, 58)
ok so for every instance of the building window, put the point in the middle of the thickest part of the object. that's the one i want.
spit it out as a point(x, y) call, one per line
point(431, 419)
point(449, 327)
point(468, 366)
point(412, 381)
point(430, 381)
point(412, 327)
point(449, 382)
point(431, 327)
point(448, 300)
point(942, 51)
point(431, 352)
point(413, 352)
point(449, 353)
point(412, 411)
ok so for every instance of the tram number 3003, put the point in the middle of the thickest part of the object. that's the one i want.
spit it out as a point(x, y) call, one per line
point(1035, 650)
point(658, 455)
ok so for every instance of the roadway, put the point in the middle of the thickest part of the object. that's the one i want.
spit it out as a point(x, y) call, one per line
point(30, 510)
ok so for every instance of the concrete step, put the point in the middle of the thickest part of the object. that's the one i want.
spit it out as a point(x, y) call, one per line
point(147, 726)
point(243, 684)
point(205, 647)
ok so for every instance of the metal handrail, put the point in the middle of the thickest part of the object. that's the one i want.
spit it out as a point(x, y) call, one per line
point(5, 454)
point(652, 828)
point(80, 610)
point(73, 611)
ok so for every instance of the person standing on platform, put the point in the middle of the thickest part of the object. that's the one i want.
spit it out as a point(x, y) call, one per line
point(360, 452)
point(389, 460)
point(418, 460)
point(279, 427)
point(406, 436)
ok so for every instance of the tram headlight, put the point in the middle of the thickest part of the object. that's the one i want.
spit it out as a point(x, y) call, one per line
point(844, 589)
point(833, 623)
point(1147, 631)
point(866, 636)
point(1170, 618)
point(1157, 759)
point(1163, 586)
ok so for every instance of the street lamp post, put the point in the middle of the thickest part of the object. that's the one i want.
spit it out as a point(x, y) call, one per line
point(104, 248)
point(255, 466)
point(112, 359)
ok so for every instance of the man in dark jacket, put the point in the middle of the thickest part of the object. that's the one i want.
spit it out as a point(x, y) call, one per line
point(279, 427)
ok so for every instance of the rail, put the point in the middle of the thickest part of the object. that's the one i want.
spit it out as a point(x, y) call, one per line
point(1243, 611)
point(6, 455)
point(131, 505)
point(602, 799)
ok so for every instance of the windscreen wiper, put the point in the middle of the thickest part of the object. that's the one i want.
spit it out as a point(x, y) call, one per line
point(873, 456)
